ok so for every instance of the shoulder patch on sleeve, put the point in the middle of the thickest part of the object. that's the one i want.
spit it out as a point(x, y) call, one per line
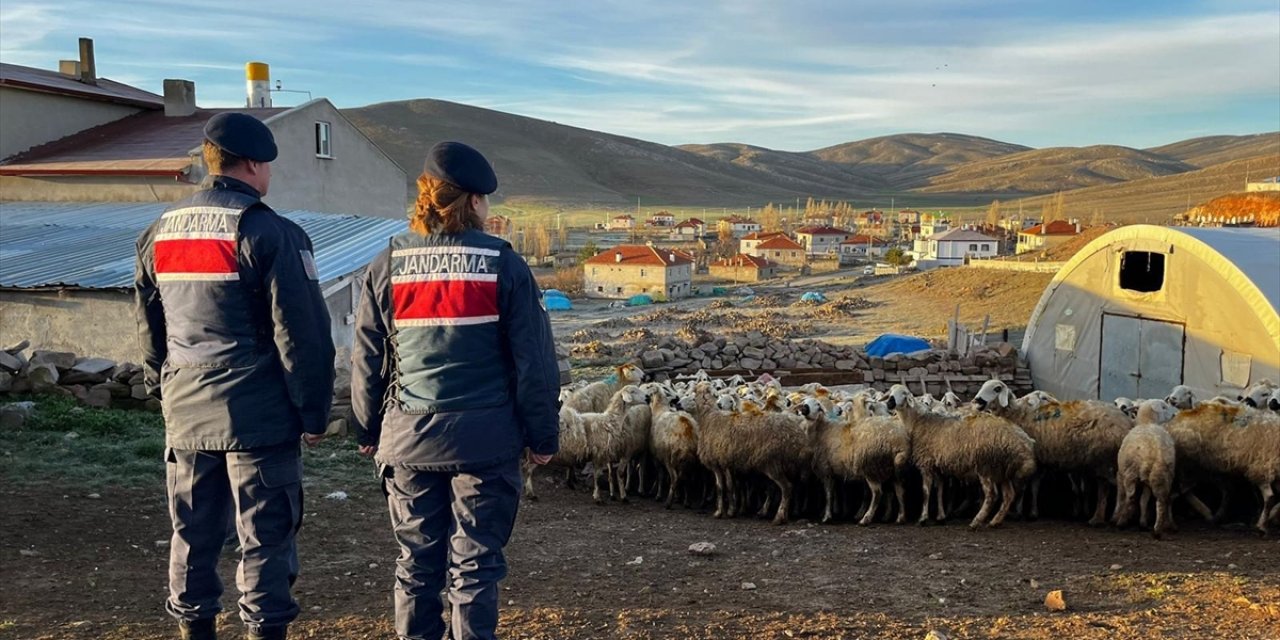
point(309, 264)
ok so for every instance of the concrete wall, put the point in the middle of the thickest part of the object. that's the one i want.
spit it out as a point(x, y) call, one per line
point(358, 179)
point(605, 280)
point(93, 189)
point(30, 118)
point(743, 273)
point(790, 258)
point(101, 323)
point(1262, 186)
point(1010, 265)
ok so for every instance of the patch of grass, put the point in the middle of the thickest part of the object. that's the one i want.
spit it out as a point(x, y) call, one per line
point(112, 447)
point(8, 624)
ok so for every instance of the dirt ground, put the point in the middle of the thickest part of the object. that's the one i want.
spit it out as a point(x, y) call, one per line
point(80, 567)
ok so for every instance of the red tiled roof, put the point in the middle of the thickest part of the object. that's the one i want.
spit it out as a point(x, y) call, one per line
point(625, 216)
point(864, 239)
point(742, 260)
point(638, 255)
point(695, 223)
point(739, 220)
point(762, 235)
point(44, 81)
point(1054, 228)
point(147, 143)
point(781, 242)
point(822, 231)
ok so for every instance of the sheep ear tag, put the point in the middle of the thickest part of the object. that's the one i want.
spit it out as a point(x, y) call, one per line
point(612, 379)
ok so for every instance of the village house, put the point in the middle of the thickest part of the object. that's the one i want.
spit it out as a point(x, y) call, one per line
point(627, 270)
point(862, 247)
point(743, 268)
point(747, 244)
point(782, 250)
point(497, 225)
point(689, 229)
point(952, 248)
point(740, 226)
point(624, 222)
point(1044, 236)
point(908, 217)
point(662, 219)
point(821, 241)
point(933, 223)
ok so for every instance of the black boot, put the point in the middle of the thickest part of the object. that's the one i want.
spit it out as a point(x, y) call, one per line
point(206, 629)
point(268, 633)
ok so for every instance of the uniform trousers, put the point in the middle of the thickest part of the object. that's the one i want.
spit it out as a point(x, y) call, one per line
point(451, 528)
point(262, 488)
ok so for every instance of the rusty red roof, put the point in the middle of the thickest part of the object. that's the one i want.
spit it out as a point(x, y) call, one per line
point(762, 235)
point(45, 81)
point(147, 143)
point(641, 255)
point(822, 231)
point(1054, 228)
point(742, 260)
point(781, 242)
point(864, 239)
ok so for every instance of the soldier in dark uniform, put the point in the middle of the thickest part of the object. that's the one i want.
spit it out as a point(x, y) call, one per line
point(454, 375)
point(236, 340)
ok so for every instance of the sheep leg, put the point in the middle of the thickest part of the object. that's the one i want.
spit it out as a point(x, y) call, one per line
point(926, 486)
point(1100, 513)
point(730, 494)
point(623, 471)
point(720, 490)
point(900, 490)
point(1125, 495)
point(829, 490)
point(673, 475)
point(1223, 495)
point(595, 482)
point(942, 511)
point(1187, 489)
point(1035, 496)
point(1268, 499)
point(767, 507)
point(988, 499)
point(784, 502)
point(874, 505)
point(1009, 493)
point(527, 469)
point(1164, 517)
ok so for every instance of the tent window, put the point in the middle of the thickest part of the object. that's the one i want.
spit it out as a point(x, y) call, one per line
point(1142, 271)
point(1235, 368)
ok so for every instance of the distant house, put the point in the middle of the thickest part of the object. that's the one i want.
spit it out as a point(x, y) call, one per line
point(627, 270)
point(952, 248)
point(747, 244)
point(1044, 236)
point(908, 217)
point(1270, 184)
point(740, 226)
point(691, 228)
point(623, 222)
point(820, 241)
point(782, 250)
point(862, 247)
point(932, 224)
point(662, 219)
point(743, 268)
point(497, 226)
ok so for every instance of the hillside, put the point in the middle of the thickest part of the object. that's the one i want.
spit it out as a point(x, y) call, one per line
point(1056, 169)
point(1211, 150)
point(798, 166)
point(906, 161)
point(1154, 200)
point(554, 163)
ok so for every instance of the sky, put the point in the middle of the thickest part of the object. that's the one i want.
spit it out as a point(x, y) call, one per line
point(792, 75)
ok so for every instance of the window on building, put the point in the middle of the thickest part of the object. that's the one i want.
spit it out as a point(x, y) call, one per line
point(986, 247)
point(619, 290)
point(973, 247)
point(600, 289)
point(323, 148)
point(1142, 271)
point(594, 271)
point(642, 273)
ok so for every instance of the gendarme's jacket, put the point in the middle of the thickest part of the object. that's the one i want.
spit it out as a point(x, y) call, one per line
point(232, 324)
point(453, 366)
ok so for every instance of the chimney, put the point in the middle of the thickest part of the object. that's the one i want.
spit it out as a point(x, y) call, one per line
point(69, 68)
point(179, 98)
point(257, 76)
point(88, 71)
point(617, 256)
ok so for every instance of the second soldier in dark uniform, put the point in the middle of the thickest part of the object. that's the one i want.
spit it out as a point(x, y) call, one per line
point(454, 374)
point(236, 340)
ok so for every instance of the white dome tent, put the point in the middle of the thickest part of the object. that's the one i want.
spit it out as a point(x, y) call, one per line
point(1144, 308)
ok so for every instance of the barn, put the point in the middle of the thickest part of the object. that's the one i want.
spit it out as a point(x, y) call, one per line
point(1144, 308)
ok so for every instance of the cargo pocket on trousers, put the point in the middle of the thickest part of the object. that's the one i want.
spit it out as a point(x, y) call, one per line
point(282, 482)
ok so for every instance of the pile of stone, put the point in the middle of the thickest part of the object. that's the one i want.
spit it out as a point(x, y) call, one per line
point(935, 370)
point(94, 382)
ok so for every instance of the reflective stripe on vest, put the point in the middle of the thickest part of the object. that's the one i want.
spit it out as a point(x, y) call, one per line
point(197, 243)
point(444, 286)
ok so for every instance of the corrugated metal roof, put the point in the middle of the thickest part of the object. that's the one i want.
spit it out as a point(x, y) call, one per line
point(90, 245)
point(14, 75)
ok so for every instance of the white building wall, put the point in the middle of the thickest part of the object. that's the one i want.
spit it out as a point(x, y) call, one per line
point(31, 118)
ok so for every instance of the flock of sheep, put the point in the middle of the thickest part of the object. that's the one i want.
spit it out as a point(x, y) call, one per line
point(758, 443)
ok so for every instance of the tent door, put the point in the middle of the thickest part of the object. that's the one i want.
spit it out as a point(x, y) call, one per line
point(1140, 358)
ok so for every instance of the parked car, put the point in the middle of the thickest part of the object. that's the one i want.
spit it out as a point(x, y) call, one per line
point(869, 270)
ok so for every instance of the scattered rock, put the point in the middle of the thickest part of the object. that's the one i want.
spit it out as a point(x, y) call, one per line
point(1054, 601)
point(94, 496)
point(59, 359)
point(637, 562)
point(162, 544)
point(10, 362)
point(29, 553)
point(935, 556)
point(702, 549)
point(17, 348)
point(748, 586)
point(14, 415)
point(1116, 567)
point(337, 495)
point(937, 634)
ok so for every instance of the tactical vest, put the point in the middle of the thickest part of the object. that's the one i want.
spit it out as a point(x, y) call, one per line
point(447, 336)
point(212, 317)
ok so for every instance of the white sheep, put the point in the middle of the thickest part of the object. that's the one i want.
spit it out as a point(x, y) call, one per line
point(574, 449)
point(1081, 436)
point(596, 396)
point(862, 446)
point(675, 441)
point(608, 441)
point(994, 450)
point(1257, 395)
point(1147, 459)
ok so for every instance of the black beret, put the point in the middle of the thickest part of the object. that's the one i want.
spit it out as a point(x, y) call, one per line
point(461, 166)
point(243, 135)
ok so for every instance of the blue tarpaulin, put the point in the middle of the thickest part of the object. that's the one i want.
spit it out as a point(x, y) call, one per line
point(557, 303)
point(813, 296)
point(553, 293)
point(893, 343)
point(640, 300)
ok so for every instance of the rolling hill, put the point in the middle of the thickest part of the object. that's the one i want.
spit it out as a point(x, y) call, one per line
point(1056, 169)
point(549, 163)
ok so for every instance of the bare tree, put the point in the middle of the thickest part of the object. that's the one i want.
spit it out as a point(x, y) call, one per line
point(993, 214)
point(726, 244)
